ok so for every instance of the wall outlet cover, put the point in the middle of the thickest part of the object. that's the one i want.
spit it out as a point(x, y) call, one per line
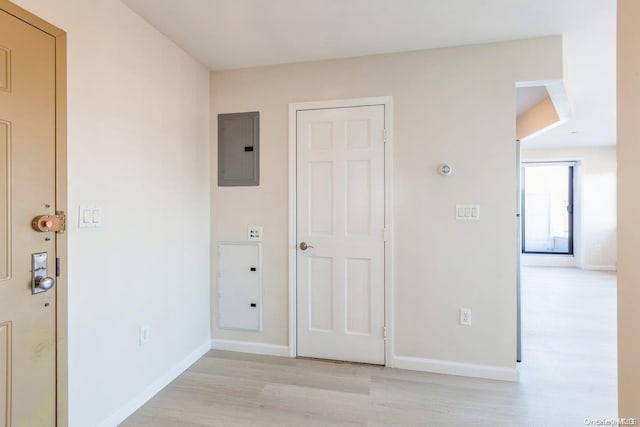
point(145, 334)
point(465, 316)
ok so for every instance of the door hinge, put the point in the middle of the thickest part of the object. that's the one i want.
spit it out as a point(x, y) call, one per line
point(385, 234)
point(384, 332)
point(57, 267)
point(384, 135)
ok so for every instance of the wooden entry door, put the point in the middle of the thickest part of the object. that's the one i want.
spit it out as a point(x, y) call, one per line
point(27, 189)
point(340, 231)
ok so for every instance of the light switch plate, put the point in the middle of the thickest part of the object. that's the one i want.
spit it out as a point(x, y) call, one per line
point(254, 233)
point(85, 217)
point(96, 217)
point(468, 212)
point(89, 217)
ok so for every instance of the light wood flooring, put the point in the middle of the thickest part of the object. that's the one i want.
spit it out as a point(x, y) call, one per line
point(568, 374)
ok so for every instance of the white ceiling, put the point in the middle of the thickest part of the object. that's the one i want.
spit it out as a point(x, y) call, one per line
point(225, 34)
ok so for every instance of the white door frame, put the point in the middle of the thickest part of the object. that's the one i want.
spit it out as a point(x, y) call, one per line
point(387, 102)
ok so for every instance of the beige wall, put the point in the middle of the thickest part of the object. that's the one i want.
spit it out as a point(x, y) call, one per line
point(455, 105)
point(628, 208)
point(138, 147)
point(595, 214)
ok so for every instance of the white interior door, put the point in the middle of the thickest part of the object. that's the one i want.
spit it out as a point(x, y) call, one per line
point(341, 217)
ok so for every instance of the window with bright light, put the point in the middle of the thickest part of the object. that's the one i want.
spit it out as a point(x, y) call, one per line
point(547, 208)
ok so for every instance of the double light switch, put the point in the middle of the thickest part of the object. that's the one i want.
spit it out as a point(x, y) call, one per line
point(90, 216)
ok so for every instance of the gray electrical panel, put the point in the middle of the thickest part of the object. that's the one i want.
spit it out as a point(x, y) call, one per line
point(239, 149)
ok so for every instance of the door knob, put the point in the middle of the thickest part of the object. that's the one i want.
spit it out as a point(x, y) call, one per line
point(44, 283)
point(304, 246)
point(40, 280)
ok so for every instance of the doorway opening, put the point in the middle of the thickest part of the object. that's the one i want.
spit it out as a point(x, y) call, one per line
point(566, 312)
point(547, 208)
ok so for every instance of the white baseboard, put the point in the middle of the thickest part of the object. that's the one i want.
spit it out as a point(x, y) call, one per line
point(600, 267)
point(137, 401)
point(456, 368)
point(250, 347)
point(543, 260)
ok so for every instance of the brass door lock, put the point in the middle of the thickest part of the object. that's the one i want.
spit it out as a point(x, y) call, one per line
point(47, 223)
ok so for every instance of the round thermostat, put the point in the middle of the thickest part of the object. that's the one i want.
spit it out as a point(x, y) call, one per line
point(445, 170)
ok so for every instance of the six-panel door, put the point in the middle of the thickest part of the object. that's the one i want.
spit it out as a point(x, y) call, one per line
point(341, 216)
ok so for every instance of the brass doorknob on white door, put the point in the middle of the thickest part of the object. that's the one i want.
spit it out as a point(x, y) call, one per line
point(304, 246)
point(45, 283)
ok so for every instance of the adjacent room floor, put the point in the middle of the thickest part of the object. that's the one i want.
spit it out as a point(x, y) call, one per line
point(568, 374)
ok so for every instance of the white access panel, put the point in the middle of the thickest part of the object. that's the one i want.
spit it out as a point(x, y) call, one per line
point(239, 286)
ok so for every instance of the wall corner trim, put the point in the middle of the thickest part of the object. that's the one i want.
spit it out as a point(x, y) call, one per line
point(456, 368)
point(250, 347)
point(140, 399)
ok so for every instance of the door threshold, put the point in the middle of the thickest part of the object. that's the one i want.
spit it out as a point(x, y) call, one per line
point(339, 362)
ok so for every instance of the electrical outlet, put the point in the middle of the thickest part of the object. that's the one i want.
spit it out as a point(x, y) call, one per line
point(145, 334)
point(465, 316)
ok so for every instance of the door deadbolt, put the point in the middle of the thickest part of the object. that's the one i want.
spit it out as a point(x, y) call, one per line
point(40, 280)
point(46, 223)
